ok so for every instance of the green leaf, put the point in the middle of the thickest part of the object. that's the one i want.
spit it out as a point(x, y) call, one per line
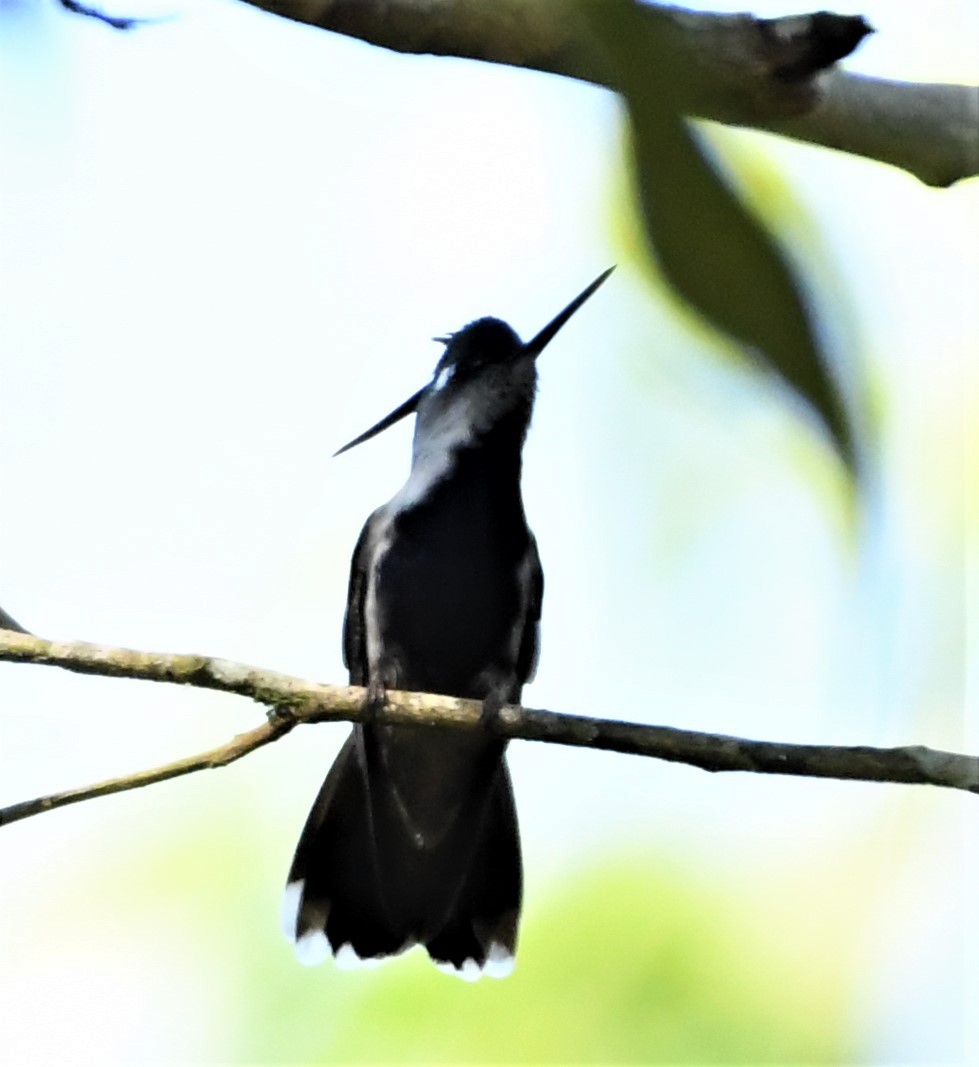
point(711, 249)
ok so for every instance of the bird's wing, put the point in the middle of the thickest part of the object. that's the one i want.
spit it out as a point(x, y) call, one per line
point(354, 621)
point(532, 578)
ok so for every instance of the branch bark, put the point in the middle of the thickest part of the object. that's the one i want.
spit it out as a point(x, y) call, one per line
point(292, 701)
point(770, 74)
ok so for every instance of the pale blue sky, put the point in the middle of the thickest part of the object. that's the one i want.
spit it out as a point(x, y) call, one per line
point(224, 244)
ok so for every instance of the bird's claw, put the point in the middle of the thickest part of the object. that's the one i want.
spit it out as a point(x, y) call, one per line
point(489, 716)
point(374, 702)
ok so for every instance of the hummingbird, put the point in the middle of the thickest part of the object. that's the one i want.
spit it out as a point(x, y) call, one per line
point(413, 836)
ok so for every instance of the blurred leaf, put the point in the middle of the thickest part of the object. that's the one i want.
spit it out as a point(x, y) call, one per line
point(711, 249)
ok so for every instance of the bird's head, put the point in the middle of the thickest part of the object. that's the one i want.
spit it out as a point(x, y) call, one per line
point(485, 371)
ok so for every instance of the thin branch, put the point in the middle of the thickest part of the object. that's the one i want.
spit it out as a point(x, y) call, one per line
point(117, 22)
point(764, 73)
point(293, 701)
point(221, 756)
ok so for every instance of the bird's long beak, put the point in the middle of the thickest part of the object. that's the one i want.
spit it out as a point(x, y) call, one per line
point(537, 345)
point(389, 420)
point(533, 347)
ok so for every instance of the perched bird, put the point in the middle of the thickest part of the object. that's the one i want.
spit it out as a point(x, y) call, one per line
point(413, 837)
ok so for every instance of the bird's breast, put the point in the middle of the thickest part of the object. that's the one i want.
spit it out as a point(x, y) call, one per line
point(446, 589)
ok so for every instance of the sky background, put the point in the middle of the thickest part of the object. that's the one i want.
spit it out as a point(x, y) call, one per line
point(225, 242)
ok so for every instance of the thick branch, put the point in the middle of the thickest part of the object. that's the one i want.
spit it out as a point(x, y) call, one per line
point(743, 71)
point(931, 131)
point(293, 701)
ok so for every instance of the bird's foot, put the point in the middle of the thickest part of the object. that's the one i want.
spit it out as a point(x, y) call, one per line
point(489, 716)
point(374, 702)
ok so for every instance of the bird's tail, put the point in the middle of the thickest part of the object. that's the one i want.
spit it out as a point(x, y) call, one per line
point(367, 883)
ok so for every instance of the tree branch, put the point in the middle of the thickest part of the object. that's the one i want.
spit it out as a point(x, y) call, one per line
point(117, 22)
point(931, 131)
point(221, 756)
point(740, 70)
point(293, 700)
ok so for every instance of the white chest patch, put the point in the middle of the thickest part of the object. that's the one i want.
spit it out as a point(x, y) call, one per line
point(435, 448)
